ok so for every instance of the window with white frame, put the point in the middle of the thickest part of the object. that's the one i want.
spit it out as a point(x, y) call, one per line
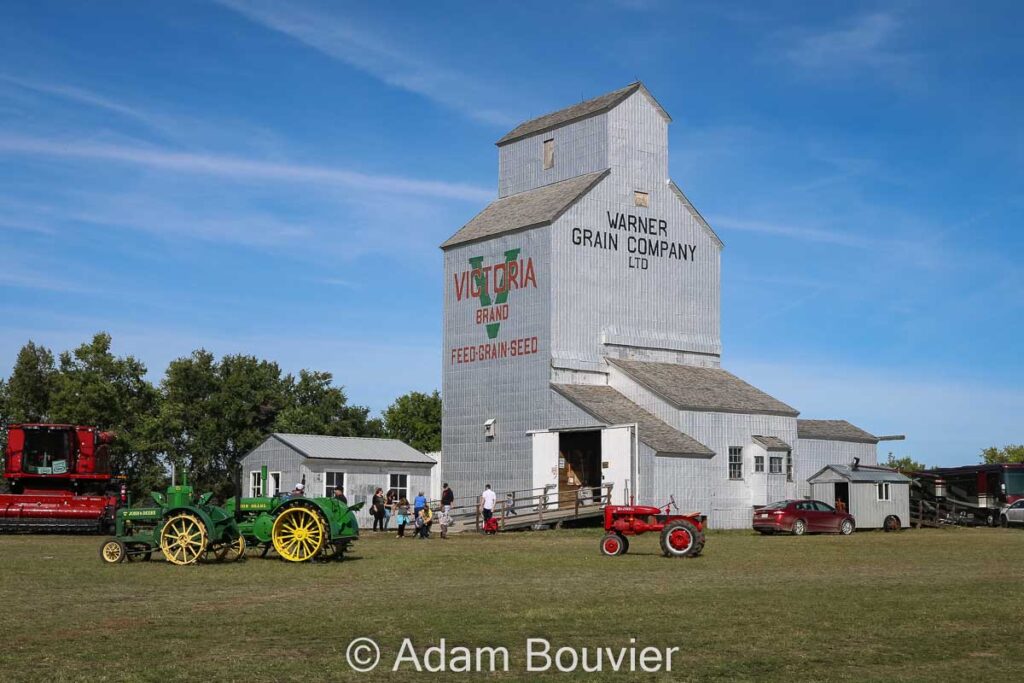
point(255, 484)
point(400, 484)
point(735, 462)
point(333, 480)
point(759, 463)
point(549, 153)
point(775, 464)
point(274, 484)
point(789, 465)
point(883, 490)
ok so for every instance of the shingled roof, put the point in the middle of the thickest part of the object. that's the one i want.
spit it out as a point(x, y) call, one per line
point(576, 112)
point(772, 443)
point(688, 387)
point(611, 408)
point(530, 209)
point(833, 430)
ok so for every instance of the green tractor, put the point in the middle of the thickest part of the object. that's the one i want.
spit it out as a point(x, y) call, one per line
point(188, 529)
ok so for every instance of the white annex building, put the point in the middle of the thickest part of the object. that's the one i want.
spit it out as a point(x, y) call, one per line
point(582, 333)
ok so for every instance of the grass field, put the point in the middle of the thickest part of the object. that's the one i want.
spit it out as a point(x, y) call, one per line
point(918, 605)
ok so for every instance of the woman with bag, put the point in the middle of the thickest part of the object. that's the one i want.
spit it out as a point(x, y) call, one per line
point(377, 509)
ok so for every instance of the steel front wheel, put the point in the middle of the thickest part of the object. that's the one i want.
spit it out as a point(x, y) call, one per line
point(232, 550)
point(799, 527)
point(183, 539)
point(612, 545)
point(681, 539)
point(112, 551)
point(846, 527)
point(298, 534)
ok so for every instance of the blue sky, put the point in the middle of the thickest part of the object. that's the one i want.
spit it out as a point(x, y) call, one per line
point(274, 178)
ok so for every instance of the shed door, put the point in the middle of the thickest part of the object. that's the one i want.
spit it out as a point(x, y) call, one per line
point(545, 464)
point(616, 455)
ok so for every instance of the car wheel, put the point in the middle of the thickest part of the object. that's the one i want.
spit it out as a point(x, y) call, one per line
point(1003, 521)
point(799, 527)
point(891, 523)
point(846, 527)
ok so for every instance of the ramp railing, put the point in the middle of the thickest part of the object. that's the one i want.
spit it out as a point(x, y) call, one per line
point(544, 505)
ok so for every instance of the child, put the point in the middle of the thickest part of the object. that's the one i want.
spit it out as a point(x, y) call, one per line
point(444, 519)
point(402, 518)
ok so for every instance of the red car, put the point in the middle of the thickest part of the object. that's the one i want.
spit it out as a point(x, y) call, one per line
point(799, 517)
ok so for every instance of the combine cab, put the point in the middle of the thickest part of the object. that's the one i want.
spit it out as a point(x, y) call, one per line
point(60, 479)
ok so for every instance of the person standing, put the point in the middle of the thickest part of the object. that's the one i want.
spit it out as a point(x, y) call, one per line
point(377, 509)
point(402, 517)
point(419, 504)
point(444, 518)
point(447, 498)
point(389, 507)
point(487, 499)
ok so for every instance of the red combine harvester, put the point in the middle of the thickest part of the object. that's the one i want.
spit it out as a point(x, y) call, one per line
point(60, 479)
point(681, 535)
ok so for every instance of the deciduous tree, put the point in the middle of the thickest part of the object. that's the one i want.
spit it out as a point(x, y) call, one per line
point(415, 418)
point(1008, 453)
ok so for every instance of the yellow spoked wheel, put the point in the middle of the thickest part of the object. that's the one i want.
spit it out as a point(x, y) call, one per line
point(298, 534)
point(183, 539)
point(232, 550)
point(112, 551)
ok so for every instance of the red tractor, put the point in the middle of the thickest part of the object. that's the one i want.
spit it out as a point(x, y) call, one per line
point(681, 535)
point(60, 479)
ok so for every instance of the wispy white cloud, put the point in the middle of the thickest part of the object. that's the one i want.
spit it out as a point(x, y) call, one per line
point(867, 43)
point(339, 38)
point(80, 96)
point(835, 237)
point(239, 168)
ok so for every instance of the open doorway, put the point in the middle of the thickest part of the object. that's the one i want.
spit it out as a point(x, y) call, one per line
point(842, 496)
point(579, 467)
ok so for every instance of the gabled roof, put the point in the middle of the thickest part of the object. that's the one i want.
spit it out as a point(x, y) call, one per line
point(315, 446)
point(530, 209)
point(576, 112)
point(612, 408)
point(833, 430)
point(695, 213)
point(862, 474)
point(772, 443)
point(688, 387)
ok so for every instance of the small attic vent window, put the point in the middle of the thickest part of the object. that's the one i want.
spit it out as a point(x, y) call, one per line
point(640, 198)
point(489, 430)
point(549, 153)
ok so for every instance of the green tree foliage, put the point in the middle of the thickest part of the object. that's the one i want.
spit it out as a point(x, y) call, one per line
point(95, 387)
point(904, 464)
point(31, 385)
point(1009, 453)
point(415, 418)
point(314, 406)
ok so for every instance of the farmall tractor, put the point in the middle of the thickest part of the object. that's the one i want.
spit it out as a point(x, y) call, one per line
point(682, 535)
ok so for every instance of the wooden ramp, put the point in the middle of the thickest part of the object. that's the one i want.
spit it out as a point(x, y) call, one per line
point(531, 508)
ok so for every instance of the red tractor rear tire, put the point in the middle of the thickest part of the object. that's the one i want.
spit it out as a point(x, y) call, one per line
point(612, 545)
point(681, 538)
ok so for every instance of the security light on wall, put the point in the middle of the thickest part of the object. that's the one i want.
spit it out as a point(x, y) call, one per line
point(489, 429)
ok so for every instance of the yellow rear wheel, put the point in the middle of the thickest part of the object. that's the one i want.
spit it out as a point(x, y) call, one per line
point(298, 534)
point(183, 539)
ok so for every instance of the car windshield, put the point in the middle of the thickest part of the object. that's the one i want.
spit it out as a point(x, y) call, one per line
point(776, 506)
point(1015, 483)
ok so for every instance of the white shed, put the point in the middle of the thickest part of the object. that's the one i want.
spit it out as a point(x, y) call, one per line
point(872, 495)
point(323, 463)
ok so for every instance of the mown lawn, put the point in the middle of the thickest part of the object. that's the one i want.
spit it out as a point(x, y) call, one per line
point(917, 605)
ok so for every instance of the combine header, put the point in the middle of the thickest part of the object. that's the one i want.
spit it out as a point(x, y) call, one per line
point(60, 479)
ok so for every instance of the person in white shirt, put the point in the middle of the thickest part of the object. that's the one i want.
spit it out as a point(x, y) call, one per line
point(487, 500)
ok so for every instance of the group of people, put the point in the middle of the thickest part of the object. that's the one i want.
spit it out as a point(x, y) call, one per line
point(384, 506)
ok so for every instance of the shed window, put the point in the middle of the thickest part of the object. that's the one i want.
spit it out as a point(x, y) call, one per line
point(274, 484)
point(775, 464)
point(332, 481)
point(255, 485)
point(641, 198)
point(759, 463)
point(735, 462)
point(789, 465)
point(883, 490)
point(549, 153)
point(399, 483)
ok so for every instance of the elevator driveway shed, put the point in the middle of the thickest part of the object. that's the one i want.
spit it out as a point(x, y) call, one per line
point(872, 495)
